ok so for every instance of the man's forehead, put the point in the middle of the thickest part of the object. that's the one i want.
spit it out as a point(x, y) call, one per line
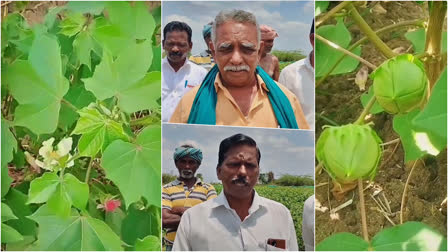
point(230, 28)
point(176, 34)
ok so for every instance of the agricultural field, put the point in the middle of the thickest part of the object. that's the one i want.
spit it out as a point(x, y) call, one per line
point(290, 196)
point(381, 132)
point(287, 57)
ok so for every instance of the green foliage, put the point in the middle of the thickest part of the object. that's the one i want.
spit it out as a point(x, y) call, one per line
point(320, 6)
point(365, 98)
point(87, 72)
point(288, 55)
point(410, 236)
point(166, 178)
point(149, 243)
point(291, 180)
point(418, 38)
point(135, 167)
point(326, 56)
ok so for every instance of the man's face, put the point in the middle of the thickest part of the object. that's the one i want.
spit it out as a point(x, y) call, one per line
point(176, 46)
point(239, 171)
point(187, 167)
point(208, 41)
point(236, 52)
point(268, 44)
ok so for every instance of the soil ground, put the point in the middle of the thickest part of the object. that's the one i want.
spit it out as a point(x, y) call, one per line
point(338, 99)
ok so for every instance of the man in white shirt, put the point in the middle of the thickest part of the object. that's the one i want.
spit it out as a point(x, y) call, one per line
point(238, 219)
point(179, 74)
point(299, 79)
point(308, 224)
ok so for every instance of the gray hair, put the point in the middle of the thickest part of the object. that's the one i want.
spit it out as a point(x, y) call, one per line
point(238, 16)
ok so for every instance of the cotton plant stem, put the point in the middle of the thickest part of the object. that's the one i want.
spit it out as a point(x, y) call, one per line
point(365, 28)
point(70, 105)
point(365, 232)
point(365, 39)
point(331, 12)
point(89, 169)
point(366, 111)
point(433, 45)
point(403, 197)
point(345, 51)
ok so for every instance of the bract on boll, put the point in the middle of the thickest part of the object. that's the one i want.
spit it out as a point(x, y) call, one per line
point(349, 152)
point(400, 84)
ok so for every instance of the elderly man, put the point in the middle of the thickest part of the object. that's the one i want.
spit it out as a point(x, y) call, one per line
point(299, 78)
point(179, 74)
point(269, 62)
point(235, 91)
point(238, 219)
point(183, 193)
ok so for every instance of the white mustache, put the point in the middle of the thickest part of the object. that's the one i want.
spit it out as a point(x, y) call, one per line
point(237, 68)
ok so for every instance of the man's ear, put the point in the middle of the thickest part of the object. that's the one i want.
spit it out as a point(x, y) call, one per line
point(212, 48)
point(218, 172)
point(191, 45)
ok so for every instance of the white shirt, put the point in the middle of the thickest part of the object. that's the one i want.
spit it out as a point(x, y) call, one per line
point(298, 77)
point(308, 224)
point(213, 225)
point(176, 84)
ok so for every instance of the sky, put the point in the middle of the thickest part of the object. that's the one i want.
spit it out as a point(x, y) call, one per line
point(291, 20)
point(283, 151)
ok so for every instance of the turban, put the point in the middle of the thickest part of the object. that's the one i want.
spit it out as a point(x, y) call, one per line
point(207, 30)
point(191, 152)
point(267, 32)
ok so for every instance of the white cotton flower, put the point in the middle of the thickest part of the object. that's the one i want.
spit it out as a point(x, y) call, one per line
point(52, 158)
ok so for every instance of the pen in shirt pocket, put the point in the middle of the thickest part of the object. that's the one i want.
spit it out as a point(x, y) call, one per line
point(186, 83)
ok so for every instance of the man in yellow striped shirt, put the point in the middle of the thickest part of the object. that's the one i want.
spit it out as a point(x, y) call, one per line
point(184, 192)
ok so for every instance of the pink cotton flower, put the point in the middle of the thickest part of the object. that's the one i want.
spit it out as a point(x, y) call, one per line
point(110, 205)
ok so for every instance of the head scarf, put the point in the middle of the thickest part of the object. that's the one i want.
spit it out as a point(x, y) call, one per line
point(207, 30)
point(203, 110)
point(191, 152)
point(267, 32)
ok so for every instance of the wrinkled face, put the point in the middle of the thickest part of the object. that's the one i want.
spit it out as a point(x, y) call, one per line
point(236, 52)
point(176, 46)
point(268, 44)
point(239, 171)
point(187, 167)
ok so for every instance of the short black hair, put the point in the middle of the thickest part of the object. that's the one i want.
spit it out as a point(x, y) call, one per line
point(235, 140)
point(312, 28)
point(177, 26)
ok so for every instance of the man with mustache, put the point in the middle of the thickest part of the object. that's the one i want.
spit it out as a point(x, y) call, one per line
point(184, 192)
point(269, 62)
point(299, 78)
point(238, 219)
point(236, 91)
point(179, 74)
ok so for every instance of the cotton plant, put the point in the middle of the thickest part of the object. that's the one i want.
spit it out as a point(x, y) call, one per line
point(55, 159)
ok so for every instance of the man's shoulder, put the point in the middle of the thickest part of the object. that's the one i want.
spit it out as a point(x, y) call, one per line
point(196, 67)
point(208, 186)
point(171, 184)
point(286, 91)
point(202, 207)
point(293, 66)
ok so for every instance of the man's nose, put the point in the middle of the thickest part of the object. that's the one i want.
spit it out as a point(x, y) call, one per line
point(242, 171)
point(175, 49)
point(236, 59)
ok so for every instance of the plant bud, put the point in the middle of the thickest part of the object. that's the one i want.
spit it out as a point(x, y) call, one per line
point(400, 84)
point(349, 152)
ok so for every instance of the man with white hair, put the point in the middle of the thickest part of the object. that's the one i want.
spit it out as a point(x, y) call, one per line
point(237, 91)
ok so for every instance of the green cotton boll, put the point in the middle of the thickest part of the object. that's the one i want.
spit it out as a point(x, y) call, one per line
point(349, 152)
point(400, 84)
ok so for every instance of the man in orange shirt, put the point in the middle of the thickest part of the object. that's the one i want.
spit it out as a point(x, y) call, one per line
point(237, 91)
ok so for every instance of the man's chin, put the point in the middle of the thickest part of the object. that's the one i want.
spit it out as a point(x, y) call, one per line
point(236, 78)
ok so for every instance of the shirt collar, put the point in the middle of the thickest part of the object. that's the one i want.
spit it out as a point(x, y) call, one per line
point(261, 85)
point(186, 64)
point(221, 200)
point(308, 63)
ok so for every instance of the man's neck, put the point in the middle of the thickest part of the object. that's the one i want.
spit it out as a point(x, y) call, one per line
point(178, 65)
point(188, 182)
point(240, 205)
point(243, 95)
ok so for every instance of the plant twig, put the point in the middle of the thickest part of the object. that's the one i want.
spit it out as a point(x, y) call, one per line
point(331, 12)
point(365, 39)
point(70, 105)
point(365, 232)
point(345, 51)
point(405, 192)
point(89, 169)
point(366, 110)
point(365, 28)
